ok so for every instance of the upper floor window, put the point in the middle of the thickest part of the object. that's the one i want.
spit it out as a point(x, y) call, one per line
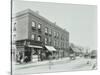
point(57, 34)
point(49, 39)
point(54, 33)
point(67, 40)
point(14, 29)
point(46, 30)
point(39, 38)
point(61, 45)
point(50, 31)
point(39, 26)
point(14, 26)
point(61, 37)
point(46, 40)
point(58, 44)
point(33, 36)
point(13, 37)
point(54, 42)
point(33, 24)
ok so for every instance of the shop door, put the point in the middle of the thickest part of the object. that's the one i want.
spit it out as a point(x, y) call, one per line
point(28, 52)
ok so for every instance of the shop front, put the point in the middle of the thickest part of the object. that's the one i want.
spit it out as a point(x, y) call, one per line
point(20, 51)
point(30, 53)
point(51, 52)
point(35, 53)
point(61, 53)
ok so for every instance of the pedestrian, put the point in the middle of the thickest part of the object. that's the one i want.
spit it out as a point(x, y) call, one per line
point(26, 59)
point(20, 57)
point(94, 66)
point(22, 60)
point(88, 62)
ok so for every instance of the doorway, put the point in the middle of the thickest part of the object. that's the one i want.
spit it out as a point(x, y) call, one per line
point(28, 52)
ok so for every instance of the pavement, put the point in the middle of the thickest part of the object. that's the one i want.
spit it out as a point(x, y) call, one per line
point(40, 63)
point(65, 64)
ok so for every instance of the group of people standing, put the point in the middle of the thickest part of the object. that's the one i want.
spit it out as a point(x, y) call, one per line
point(20, 59)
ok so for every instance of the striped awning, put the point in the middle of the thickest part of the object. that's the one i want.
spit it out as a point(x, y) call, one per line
point(76, 50)
point(50, 48)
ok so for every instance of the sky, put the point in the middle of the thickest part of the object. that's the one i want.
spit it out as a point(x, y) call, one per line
point(79, 20)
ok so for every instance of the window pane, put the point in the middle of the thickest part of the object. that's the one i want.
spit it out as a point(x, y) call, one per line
point(54, 33)
point(14, 27)
point(57, 34)
point(45, 40)
point(39, 38)
point(33, 24)
point(50, 31)
point(39, 26)
point(33, 37)
point(46, 30)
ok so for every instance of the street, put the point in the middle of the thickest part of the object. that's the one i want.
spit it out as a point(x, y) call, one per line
point(65, 65)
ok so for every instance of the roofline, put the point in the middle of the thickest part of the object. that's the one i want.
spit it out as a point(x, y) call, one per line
point(37, 15)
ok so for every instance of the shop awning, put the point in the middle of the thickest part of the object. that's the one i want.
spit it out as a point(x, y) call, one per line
point(76, 50)
point(50, 48)
point(34, 46)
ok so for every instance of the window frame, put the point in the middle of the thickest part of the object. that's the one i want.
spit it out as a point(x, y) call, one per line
point(14, 27)
point(32, 37)
point(39, 26)
point(54, 33)
point(39, 38)
point(50, 31)
point(46, 40)
point(34, 24)
point(46, 29)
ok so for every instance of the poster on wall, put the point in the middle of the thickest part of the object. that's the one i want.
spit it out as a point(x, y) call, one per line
point(52, 37)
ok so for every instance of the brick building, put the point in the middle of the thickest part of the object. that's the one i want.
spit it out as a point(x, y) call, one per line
point(33, 34)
